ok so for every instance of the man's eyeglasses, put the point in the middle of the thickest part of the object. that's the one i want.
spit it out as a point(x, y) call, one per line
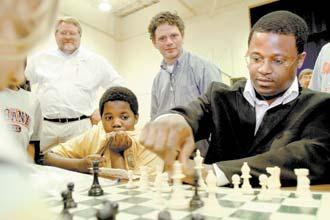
point(255, 60)
point(68, 33)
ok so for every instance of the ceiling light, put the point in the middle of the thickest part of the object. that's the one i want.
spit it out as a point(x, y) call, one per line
point(104, 6)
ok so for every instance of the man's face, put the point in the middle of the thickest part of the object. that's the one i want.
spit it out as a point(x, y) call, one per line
point(304, 80)
point(67, 37)
point(118, 116)
point(272, 62)
point(168, 40)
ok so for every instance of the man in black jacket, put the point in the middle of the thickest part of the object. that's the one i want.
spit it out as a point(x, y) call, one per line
point(266, 121)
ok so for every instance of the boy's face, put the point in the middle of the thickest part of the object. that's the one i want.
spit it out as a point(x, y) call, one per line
point(118, 116)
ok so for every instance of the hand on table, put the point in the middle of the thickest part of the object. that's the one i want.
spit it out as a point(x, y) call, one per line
point(85, 163)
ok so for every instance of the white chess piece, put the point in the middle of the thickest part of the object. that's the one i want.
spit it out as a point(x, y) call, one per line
point(211, 181)
point(211, 204)
point(263, 194)
point(246, 186)
point(158, 198)
point(165, 187)
point(303, 184)
point(274, 183)
point(130, 184)
point(236, 180)
point(159, 177)
point(144, 178)
point(177, 200)
point(198, 159)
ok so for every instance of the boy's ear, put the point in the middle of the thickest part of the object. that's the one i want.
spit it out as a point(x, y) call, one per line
point(136, 119)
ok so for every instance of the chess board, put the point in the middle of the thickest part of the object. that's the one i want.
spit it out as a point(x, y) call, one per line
point(138, 204)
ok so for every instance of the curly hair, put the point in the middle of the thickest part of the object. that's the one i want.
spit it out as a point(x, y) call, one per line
point(119, 93)
point(165, 17)
point(283, 22)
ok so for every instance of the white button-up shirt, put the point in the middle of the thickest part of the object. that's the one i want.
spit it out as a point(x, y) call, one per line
point(68, 84)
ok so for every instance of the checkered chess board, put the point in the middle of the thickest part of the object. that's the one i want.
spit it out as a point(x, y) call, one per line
point(137, 204)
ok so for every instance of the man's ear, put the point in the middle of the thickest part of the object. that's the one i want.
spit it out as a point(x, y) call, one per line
point(301, 59)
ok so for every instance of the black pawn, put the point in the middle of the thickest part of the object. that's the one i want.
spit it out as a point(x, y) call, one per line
point(115, 207)
point(70, 202)
point(108, 212)
point(65, 214)
point(196, 201)
point(95, 189)
point(196, 216)
point(164, 215)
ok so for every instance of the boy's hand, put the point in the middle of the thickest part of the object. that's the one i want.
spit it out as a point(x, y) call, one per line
point(85, 163)
point(119, 141)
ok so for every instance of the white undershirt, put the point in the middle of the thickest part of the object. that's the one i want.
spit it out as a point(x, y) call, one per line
point(170, 68)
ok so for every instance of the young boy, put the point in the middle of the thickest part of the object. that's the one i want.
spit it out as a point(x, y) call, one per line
point(113, 141)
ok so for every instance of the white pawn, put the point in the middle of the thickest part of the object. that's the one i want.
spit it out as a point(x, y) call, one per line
point(144, 178)
point(178, 200)
point(236, 180)
point(246, 186)
point(159, 177)
point(211, 181)
point(198, 159)
point(165, 187)
point(158, 198)
point(130, 184)
point(263, 194)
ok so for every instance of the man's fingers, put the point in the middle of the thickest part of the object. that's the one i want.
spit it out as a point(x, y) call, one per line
point(160, 140)
point(169, 158)
point(187, 149)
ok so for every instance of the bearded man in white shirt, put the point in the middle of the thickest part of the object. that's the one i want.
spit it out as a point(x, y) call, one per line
point(68, 80)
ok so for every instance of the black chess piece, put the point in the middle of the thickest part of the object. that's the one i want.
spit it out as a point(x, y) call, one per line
point(196, 216)
point(196, 201)
point(108, 212)
point(95, 189)
point(70, 202)
point(115, 207)
point(164, 215)
point(65, 214)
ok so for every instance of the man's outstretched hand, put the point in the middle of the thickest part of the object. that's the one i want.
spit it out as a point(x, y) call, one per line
point(169, 136)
